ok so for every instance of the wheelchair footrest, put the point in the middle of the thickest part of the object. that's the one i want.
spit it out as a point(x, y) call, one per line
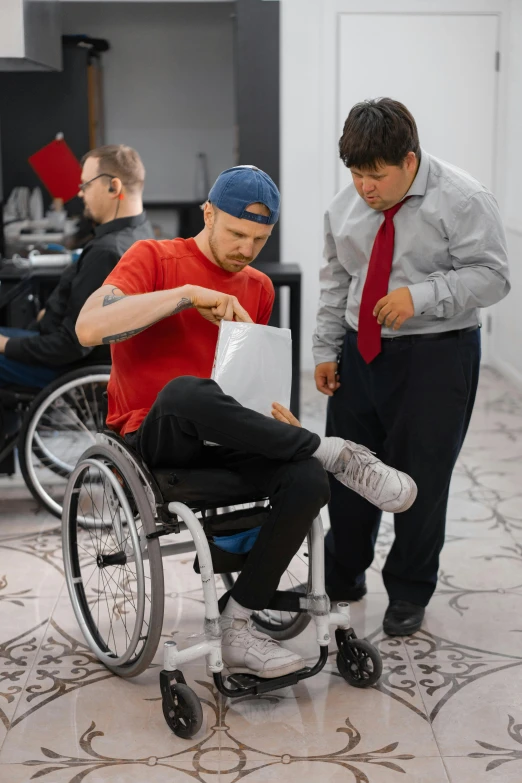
point(246, 684)
point(257, 685)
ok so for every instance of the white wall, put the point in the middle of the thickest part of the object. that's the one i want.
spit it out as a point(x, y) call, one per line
point(12, 29)
point(303, 152)
point(168, 81)
point(309, 135)
point(507, 333)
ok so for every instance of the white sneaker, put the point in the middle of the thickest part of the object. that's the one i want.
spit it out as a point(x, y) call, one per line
point(359, 469)
point(246, 650)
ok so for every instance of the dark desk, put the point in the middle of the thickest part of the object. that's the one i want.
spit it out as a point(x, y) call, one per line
point(24, 291)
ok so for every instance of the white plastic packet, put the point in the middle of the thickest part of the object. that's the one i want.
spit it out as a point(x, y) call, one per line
point(253, 364)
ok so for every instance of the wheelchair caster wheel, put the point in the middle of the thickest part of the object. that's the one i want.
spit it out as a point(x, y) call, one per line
point(359, 663)
point(183, 711)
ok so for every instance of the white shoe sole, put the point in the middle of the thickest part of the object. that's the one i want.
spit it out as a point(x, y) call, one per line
point(289, 668)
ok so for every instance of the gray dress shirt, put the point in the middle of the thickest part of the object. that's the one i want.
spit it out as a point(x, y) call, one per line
point(450, 250)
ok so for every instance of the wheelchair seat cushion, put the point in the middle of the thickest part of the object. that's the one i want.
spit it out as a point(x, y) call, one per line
point(205, 488)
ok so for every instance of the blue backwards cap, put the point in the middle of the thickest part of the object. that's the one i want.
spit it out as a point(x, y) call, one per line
point(236, 188)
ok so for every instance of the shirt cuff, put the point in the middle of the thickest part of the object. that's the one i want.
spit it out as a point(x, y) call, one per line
point(423, 296)
point(325, 356)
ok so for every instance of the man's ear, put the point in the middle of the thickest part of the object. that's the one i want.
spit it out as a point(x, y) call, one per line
point(410, 160)
point(209, 215)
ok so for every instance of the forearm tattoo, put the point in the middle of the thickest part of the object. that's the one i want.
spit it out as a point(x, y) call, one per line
point(119, 338)
point(111, 298)
point(183, 304)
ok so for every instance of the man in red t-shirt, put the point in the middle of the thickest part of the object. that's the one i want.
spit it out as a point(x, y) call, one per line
point(158, 310)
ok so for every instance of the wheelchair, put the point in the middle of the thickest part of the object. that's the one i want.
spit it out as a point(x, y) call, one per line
point(51, 428)
point(116, 517)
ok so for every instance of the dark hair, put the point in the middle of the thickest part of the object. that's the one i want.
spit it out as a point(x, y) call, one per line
point(378, 131)
point(122, 162)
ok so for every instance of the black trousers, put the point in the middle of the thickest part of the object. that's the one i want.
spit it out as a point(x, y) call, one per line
point(274, 457)
point(412, 406)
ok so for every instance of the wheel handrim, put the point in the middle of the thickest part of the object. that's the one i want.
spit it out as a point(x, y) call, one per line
point(120, 538)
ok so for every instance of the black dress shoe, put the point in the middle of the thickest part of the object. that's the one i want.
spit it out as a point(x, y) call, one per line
point(402, 618)
point(351, 593)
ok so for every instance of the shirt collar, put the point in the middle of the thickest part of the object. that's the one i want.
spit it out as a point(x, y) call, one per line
point(120, 223)
point(420, 183)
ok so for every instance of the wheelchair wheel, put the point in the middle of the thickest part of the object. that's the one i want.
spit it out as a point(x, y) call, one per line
point(59, 425)
point(297, 578)
point(359, 663)
point(114, 573)
point(184, 714)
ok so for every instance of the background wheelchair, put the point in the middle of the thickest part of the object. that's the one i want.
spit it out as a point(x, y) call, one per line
point(51, 428)
point(116, 515)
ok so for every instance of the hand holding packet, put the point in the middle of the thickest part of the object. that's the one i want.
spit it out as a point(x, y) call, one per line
point(253, 364)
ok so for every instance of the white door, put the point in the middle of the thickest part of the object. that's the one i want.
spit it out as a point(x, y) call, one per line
point(442, 67)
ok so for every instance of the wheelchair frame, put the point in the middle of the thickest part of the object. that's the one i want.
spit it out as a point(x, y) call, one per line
point(174, 516)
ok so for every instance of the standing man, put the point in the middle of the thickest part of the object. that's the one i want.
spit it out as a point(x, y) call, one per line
point(111, 188)
point(413, 247)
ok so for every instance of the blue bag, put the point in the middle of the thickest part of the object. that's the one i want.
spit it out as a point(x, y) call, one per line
point(238, 543)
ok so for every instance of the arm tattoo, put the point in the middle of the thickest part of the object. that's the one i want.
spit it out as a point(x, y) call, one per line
point(110, 298)
point(183, 304)
point(119, 338)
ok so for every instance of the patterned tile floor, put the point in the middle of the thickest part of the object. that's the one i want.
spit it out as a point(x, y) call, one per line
point(448, 707)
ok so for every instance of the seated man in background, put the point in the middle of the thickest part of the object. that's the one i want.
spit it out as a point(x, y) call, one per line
point(159, 309)
point(111, 188)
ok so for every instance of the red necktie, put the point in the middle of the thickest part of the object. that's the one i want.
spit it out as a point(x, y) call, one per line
point(376, 286)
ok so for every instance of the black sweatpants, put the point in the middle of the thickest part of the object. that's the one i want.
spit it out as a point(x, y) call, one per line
point(412, 406)
point(274, 457)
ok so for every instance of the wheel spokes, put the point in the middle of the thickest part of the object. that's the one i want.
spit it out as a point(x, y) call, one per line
point(117, 600)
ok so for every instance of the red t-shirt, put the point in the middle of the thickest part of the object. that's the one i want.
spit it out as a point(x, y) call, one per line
point(182, 344)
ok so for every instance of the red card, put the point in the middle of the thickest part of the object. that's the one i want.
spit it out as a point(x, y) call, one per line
point(58, 168)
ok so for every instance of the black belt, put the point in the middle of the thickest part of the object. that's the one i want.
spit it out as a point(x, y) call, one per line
point(429, 336)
